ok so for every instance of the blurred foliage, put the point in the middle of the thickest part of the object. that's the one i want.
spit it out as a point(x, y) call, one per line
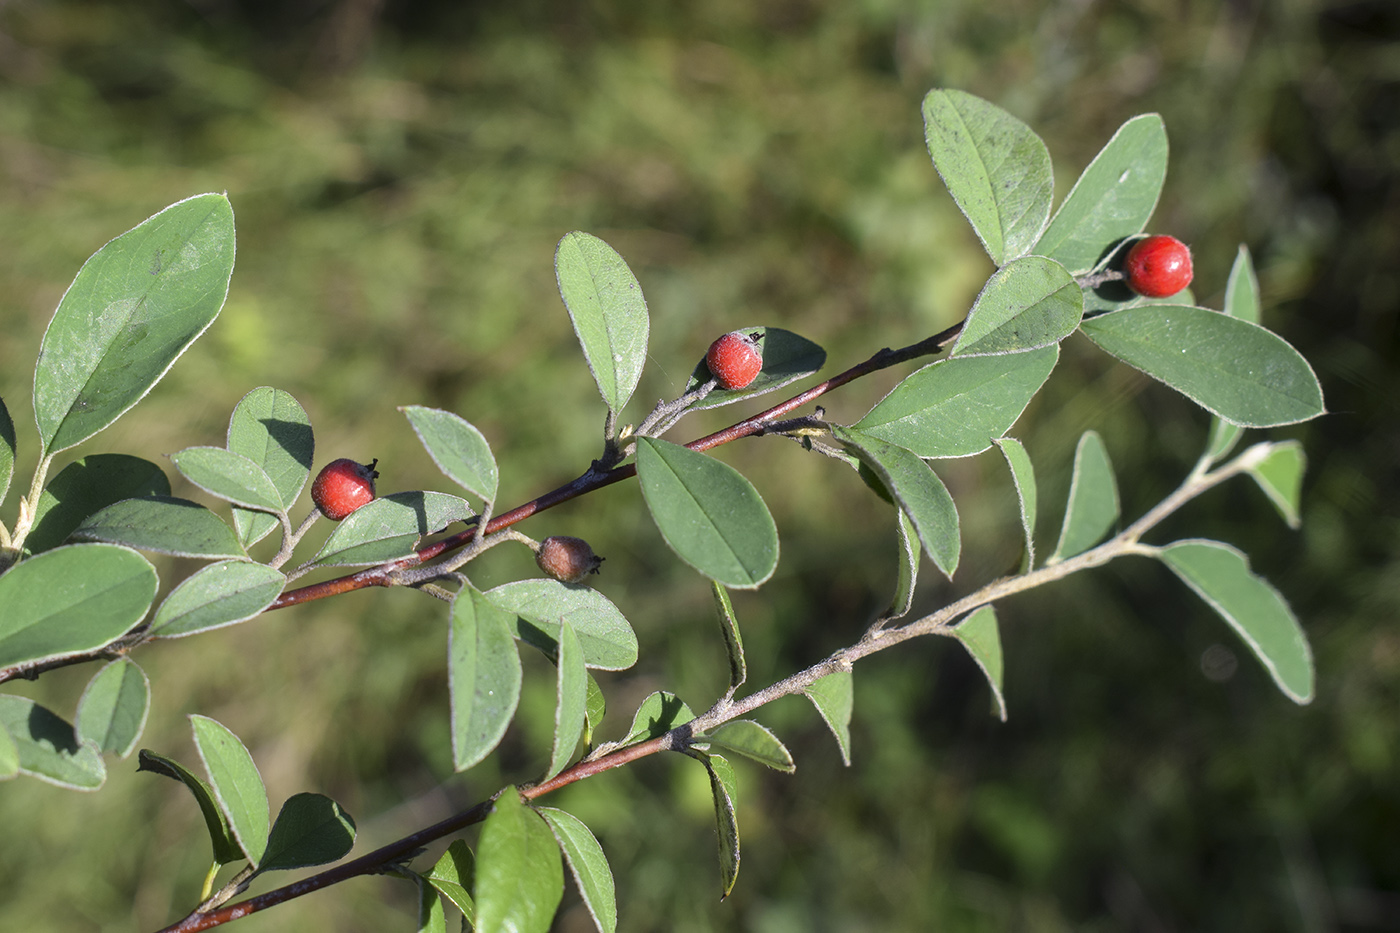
point(401, 173)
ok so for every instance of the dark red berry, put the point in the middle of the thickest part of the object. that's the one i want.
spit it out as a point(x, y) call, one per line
point(734, 360)
point(343, 486)
point(1158, 266)
point(566, 559)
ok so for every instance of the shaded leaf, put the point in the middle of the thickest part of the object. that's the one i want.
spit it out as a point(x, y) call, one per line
point(459, 449)
point(391, 527)
point(1026, 304)
point(484, 673)
point(519, 877)
point(754, 741)
point(237, 785)
point(724, 786)
point(1023, 479)
point(1278, 469)
point(113, 708)
point(48, 748)
point(86, 486)
point(229, 476)
point(608, 311)
point(834, 698)
point(226, 848)
point(595, 708)
point(588, 864)
point(733, 640)
point(907, 571)
point(432, 918)
point(659, 714)
point(982, 639)
point(454, 875)
point(787, 357)
point(311, 829)
point(165, 525)
point(604, 634)
point(270, 428)
point(7, 460)
point(571, 711)
point(221, 594)
point(1092, 509)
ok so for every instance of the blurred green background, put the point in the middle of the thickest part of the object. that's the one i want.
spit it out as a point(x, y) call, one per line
point(401, 172)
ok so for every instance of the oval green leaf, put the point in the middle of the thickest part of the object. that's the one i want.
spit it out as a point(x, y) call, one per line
point(1257, 612)
point(1232, 368)
point(165, 525)
point(391, 527)
point(753, 741)
point(709, 514)
point(1278, 469)
point(981, 637)
point(572, 708)
point(995, 167)
point(608, 312)
point(270, 428)
point(229, 476)
point(453, 876)
point(311, 829)
point(1026, 304)
point(226, 848)
point(834, 698)
point(221, 594)
point(71, 600)
point(956, 407)
point(48, 748)
point(459, 449)
point(588, 864)
point(1092, 509)
point(134, 307)
point(237, 785)
point(113, 708)
point(1023, 479)
point(787, 357)
point(659, 714)
point(484, 676)
point(86, 486)
point(519, 878)
point(604, 634)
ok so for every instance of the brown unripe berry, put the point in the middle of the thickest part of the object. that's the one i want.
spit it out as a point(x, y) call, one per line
point(343, 486)
point(1158, 266)
point(734, 360)
point(567, 559)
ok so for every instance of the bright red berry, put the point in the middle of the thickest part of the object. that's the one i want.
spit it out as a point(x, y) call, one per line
point(1158, 266)
point(343, 486)
point(566, 559)
point(734, 360)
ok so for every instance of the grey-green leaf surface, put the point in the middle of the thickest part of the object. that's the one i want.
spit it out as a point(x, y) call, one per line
point(733, 640)
point(457, 447)
point(1026, 304)
point(484, 675)
point(753, 741)
point(708, 513)
point(86, 486)
point(311, 829)
point(454, 875)
point(1237, 370)
point(724, 786)
point(595, 708)
point(7, 449)
point(71, 600)
point(588, 865)
point(834, 698)
point(907, 573)
point(48, 748)
point(237, 785)
point(981, 637)
point(1113, 198)
point(995, 167)
point(269, 427)
point(1241, 301)
point(164, 525)
point(787, 357)
point(133, 308)
point(226, 848)
point(537, 606)
point(1093, 508)
point(1023, 480)
point(1257, 612)
point(389, 528)
point(571, 710)
point(608, 311)
point(221, 594)
point(1279, 472)
point(113, 708)
point(956, 407)
point(918, 490)
point(228, 476)
point(657, 715)
point(519, 876)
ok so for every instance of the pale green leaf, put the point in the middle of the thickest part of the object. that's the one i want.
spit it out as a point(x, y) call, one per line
point(484, 675)
point(164, 525)
point(229, 476)
point(391, 527)
point(519, 876)
point(113, 708)
point(86, 486)
point(311, 829)
point(571, 711)
point(220, 594)
point(834, 698)
point(982, 639)
point(237, 785)
point(1023, 479)
point(1092, 509)
point(538, 605)
point(270, 428)
point(458, 448)
point(588, 864)
point(1278, 469)
point(1026, 304)
point(608, 311)
point(48, 748)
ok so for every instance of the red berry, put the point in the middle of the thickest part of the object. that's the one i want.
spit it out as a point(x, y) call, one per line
point(566, 559)
point(734, 360)
point(343, 486)
point(1158, 266)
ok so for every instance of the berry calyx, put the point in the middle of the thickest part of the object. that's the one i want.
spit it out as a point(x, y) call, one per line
point(1158, 266)
point(343, 486)
point(567, 559)
point(734, 360)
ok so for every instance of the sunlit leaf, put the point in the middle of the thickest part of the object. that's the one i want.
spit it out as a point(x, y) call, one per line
point(1026, 304)
point(571, 712)
point(659, 714)
point(459, 449)
point(834, 698)
point(164, 525)
point(86, 486)
point(1241, 301)
point(48, 748)
point(733, 640)
point(980, 636)
point(753, 741)
point(484, 674)
point(391, 527)
point(1279, 472)
point(604, 634)
point(221, 594)
point(113, 708)
point(229, 476)
point(519, 877)
point(270, 428)
point(588, 864)
point(1023, 480)
point(7, 449)
point(608, 312)
point(237, 785)
point(724, 786)
point(454, 875)
point(1092, 509)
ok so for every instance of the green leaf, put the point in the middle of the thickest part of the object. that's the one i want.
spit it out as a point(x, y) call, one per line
point(750, 739)
point(71, 600)
point(918, 490)
point(787, 358)
point(226, 848)
point(229, 476)
point(48, 748)
point(733, 640)
point(1023, 478)
point(519, 878)
point(709, 514)
point(1026, 304)
point(834, 698)
point(608, 312)
point(134, 307)
point(539, 605)
point(571, 712)
point(484, 673)
point(389, 528)
point(907, 571)
point(454, 875)
point(982, 639)
point(1278, 469)
point(86, 486)
point(595, 708)
point(1242, 302)
point(956, 407)
point(165, 525)
point(221, 594)
point(7, 450)
point(237, 785)
point(724, 787)
point(270, 428)
point(113, 708)
point(310, 830)
point(459, 450)
point(659, 714)
point(1234, 369)
point(1221, 576)
point(1114, 197)
point(995, 167)
point(432, 918)
point(1092, 509)
point(588, 864)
